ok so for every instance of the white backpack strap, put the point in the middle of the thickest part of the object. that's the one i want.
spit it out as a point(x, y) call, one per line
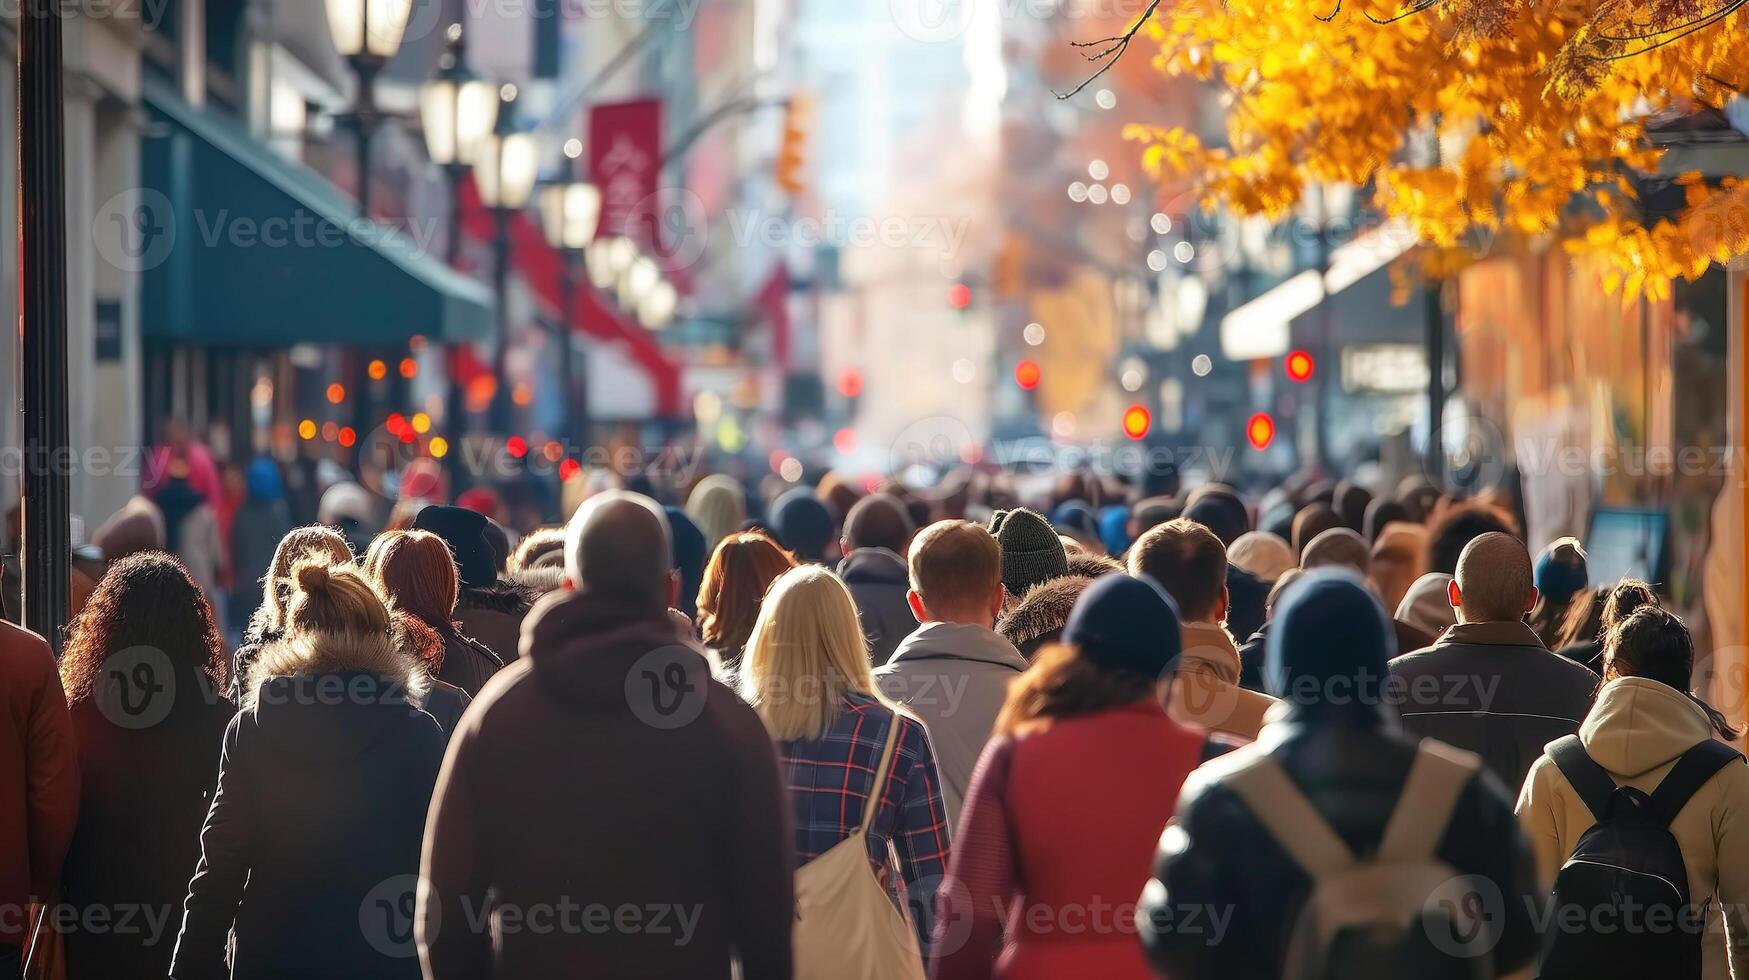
point(879, 785)
point(1290, 818)
point(1436, 778)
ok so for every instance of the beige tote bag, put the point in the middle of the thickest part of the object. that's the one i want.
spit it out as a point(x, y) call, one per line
point(847, 928)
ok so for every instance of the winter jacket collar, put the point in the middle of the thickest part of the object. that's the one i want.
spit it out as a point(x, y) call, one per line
point(1638, 725)
point(1514, 634)
point(317, 655)
point(957, 641)
point(318, 700)
point(584, 649)
point(1209, 649)
point(874, 565)
point(504, 596)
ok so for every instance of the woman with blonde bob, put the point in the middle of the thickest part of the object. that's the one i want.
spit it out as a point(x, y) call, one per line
point(806, 673)
point(415, 575)
point(330, 765)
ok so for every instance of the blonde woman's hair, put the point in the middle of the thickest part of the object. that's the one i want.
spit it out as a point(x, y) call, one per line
point(334, 600)
point(313, 543)
point(805, 654)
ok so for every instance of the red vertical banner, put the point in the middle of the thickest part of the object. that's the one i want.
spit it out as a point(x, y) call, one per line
point(625, 161)
point(774, 303)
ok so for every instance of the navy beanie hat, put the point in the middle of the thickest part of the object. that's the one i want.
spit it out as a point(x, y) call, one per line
point(1220, 512)
point(1126, 623)
point(1075, 517)
point(465, 532)
point(1328, 625)
point(803, 524)
point(1559, 578)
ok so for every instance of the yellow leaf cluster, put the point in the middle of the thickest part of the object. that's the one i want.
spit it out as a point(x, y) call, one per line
point(1537, 135)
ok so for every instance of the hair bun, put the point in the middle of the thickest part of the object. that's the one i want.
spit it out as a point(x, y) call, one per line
point(311, 576)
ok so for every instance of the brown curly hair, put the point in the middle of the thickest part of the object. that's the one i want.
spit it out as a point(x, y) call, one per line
point(1063, 684)
point(147, 599)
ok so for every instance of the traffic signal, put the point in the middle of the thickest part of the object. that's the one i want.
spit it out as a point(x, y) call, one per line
point(1027, 375)
point(1300, 366)
point(850, 382)
point(792, 155)
point(1260, 431)
point(1136, 422)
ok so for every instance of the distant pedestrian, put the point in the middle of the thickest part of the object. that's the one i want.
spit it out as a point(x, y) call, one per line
point(1397, 556)
point(839, 743)
point(267, 625)
point(144, 672)
point(1561, 574)
point(736, 580)
point(1456, 528)
point(1309, 523)
point(805, 526)
point(323, 785)
point(1350, 503)
point(489, 608)
point(1069, 798)
point(1427, 604)
point(413, 574)
point(1647, 735)
point(257, 527)
point(1582, 639)
point(39, 783)
point(191, 531)
point(718, 505)
point(1331, 785)
point(1188, 561)
point(607, 772)
point(689, 558)
point(954, 670)
point(1262, 554)
point(1488, 684)
point(1381, 514)
point(877, 534)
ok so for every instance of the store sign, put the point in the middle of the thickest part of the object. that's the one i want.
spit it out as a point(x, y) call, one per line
point(625, 162)
point(1384, 369)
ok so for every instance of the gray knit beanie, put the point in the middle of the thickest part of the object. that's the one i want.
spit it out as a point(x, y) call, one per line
point(1031, 551)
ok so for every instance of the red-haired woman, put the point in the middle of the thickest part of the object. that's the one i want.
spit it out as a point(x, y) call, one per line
point(143, 671)
point(740, 571)
point(415, 575)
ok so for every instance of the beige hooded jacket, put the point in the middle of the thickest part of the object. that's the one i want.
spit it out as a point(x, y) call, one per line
point(1637, 730)
point(1206, 690)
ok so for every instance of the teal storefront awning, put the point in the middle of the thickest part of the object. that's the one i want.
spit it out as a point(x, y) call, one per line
point(239, 246)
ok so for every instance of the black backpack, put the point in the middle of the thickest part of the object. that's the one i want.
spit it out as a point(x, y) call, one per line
point(1621, 902)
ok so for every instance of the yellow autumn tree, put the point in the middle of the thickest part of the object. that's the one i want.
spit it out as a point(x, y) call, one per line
point(1471, 120)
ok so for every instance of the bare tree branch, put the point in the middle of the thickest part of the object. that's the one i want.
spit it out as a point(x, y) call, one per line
point(1112, 50)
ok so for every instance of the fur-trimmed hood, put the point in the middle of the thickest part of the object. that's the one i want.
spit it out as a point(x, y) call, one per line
point(1039, 617)
point(322, 697)
point(504, 596)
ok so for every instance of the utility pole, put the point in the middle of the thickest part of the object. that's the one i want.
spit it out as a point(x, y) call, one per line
point(43, 255)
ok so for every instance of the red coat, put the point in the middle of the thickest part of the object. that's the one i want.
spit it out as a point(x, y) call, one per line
point(1058, 829)
point(39, 776)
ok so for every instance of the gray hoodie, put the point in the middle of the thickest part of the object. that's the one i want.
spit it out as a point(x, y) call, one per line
point(954, 677)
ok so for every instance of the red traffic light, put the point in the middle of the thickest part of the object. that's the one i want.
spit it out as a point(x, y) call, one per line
point(850, 382)
point(959, 296)
point(1260, 431)
point(1136, 422)
point(1300, 367)
point(1027, 375)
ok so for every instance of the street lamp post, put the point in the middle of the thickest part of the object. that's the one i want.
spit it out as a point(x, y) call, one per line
point(506, 171)
point(457, 111)
point(367, 33)
point(570, 214)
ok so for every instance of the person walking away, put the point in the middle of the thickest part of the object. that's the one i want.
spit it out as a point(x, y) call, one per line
point(144, 672)
point(39, 784)
point(413, 573)
point(679, 786)
point(1588, 623)
point(1189, 562)
point(1059, 822)
point(191, 532)
point(877, 533)
point(953, 671)
point(1262, 853)
point(1649, 769)
point(260, 523)
point(267, 626)
point(1488, 684)
point(739, 574)
point(1561, 574)
point(1031, 552)
point(310, 850)
point(861, 777)
point(804, 526)
point(489, 608)
point(718, 504)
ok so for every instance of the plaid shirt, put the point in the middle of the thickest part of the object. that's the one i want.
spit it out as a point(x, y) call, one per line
point(829, 780)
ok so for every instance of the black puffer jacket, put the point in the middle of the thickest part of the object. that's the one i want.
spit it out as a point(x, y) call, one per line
point(878, 580)
point(1351, 768)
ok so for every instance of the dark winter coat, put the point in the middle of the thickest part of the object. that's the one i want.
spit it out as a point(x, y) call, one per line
point(662, 801)
point(493, 616)
point(39, 774)
point(878, 580)
point(1247, 596)
point(144, 792)
point(311, 846)
point(1494, 689)
point(1219, 857)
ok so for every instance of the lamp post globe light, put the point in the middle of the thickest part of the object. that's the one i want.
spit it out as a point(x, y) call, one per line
point(505, 171)
point(570, 214)
point(608, 259)
point(639, 277)
point(367, 33)
point(457, 111)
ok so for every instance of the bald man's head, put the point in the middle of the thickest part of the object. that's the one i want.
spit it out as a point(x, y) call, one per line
point(1494, 581)
point(618, 543)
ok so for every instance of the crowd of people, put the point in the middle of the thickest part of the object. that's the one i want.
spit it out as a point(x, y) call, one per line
point(843, 729)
